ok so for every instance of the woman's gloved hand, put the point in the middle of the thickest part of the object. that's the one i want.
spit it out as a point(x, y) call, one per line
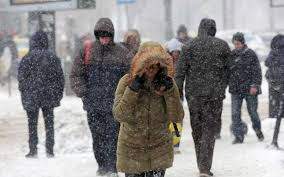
point(137, 83)
point(162, 80)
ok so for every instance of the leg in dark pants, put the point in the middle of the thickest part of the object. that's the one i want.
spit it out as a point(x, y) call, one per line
point(32, 124)
point(205, 122)
point(252, 104)
point(155, 173)
point(97, 139)
point(104, 131)
point(219, 121)
point(48, 117)
point(237, 127)
point(274, 102)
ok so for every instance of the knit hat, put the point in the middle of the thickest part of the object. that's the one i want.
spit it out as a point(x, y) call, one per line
point(182, 29)
point(173, 45)
point(239, 37)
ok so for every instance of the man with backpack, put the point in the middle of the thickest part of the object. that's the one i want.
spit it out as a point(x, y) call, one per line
point(96, 71)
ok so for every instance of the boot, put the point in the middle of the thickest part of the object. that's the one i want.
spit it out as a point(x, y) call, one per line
point(49, 153)
point(238, 140)
point(101, 172)
point(32, 154)
point(259, 135)
point(112, 174)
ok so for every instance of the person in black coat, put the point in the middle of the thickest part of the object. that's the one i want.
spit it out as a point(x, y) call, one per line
point(275, 74)
point(41, 83)
point(204, 67)
point(244, 83)
point(96, 71)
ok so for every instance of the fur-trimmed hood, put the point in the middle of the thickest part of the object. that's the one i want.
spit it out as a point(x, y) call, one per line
point(151, 53)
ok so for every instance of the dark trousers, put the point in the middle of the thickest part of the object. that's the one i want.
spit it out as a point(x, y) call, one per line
point(104, 130)
point(205, 117)
point(274, 101)
point(155, 173)
point(252, 104)
point(49, 128)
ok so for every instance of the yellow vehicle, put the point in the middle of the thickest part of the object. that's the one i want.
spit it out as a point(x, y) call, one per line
point(22, 46)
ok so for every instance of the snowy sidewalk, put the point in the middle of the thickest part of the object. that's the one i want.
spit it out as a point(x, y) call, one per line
point(74, 157)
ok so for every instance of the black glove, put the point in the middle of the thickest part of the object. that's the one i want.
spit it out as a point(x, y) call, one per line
point(137, 83)
point(162, 79)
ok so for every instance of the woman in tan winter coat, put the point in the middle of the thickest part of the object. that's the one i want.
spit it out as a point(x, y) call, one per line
point(146, 101)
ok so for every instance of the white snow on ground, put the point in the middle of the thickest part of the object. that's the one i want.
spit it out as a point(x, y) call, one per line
point(73, 150)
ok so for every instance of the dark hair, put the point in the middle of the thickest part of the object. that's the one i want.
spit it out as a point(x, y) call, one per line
point(103, 34)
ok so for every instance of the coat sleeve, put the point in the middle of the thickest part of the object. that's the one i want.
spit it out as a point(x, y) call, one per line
point(227, 56)
point(125, 102)
point(181, 70)
point(77, 75)
point(60, 76)
point(268, 61)
point(174, 105)
point(256, 76)
point(23, 73)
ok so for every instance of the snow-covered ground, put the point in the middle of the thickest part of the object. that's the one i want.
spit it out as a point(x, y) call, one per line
point(74, 157)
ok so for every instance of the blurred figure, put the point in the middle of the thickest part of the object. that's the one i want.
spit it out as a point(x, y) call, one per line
point(6, 71)
point(96, 71)
point(146, 101)
point(203, 65)
point(244, 83)
point(132, 40)
point(41, 83)
point(173, 48)
point(182, 35)
point(275, 74)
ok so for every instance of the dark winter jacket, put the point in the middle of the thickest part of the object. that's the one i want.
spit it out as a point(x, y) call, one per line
point(40, 76)
point(204, 64)
point(275, 64)
point(95, 80)
point(245, 71)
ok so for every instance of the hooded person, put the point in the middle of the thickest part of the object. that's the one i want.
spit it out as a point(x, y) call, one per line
point(94, 77)
point(146, 101)
point(275, 74)
point(203, 65)
point(132, 40)
point(182, 35)
point(244, 84)
point(41, 84)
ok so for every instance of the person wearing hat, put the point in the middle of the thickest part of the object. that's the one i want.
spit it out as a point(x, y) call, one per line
point(146, 101)
point(244, 84)
point(132, 40)
point(182, 35)
point(96, 71)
